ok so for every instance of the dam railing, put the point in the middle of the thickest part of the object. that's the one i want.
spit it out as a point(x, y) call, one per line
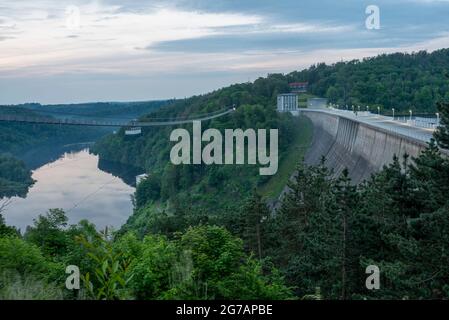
point(408, 129)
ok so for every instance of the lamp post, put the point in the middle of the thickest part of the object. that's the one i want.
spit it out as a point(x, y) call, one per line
point(438, 119)
point(367, 108)
point(393, 113)
point(411, 115)
point(378, 111)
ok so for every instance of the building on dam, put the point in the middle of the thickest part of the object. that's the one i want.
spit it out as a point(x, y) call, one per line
point(287, 102)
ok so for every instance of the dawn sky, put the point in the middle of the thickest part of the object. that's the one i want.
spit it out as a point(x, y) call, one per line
point(80, 51)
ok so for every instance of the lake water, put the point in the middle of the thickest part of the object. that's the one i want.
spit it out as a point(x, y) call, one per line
point(83, 186)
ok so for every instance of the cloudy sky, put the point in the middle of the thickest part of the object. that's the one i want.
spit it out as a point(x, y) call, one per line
point(110, 50)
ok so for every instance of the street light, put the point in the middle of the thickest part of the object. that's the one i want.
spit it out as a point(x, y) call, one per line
point(367, 108)
point(438, 119)
point(411, 114)
point(393, 113)
point(378, 111)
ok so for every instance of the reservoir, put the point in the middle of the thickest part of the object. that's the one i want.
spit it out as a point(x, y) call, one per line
point(80, 184)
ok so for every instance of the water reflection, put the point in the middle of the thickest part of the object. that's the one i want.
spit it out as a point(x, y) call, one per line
point(76, 184)
point(46, 153)
point(126, 173)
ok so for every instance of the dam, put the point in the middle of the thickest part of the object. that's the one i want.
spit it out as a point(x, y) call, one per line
point(362, 142)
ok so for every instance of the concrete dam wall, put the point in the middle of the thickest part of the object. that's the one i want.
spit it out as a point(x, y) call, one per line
point(360, 147)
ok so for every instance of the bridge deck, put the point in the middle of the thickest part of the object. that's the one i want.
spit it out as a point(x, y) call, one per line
point(86, 122)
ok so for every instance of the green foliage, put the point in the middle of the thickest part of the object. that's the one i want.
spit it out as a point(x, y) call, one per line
point(23, 257)
point(147, 190)
point(15, 178)
point(6, 230)
point(14, 286)
point(254, 213)
point(218, 189)
point(18, 138)
point(111, 267)
point(398, 80)
point(49, 234)
point(332, 230)
point(152, 267)
point(196, 228)
point(442, 133)
point(221, 270)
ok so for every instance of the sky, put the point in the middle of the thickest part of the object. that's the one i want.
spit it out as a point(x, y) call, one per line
point(85, 51)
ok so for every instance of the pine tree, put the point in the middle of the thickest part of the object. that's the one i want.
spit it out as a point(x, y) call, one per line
point(346, 199)
point(442, 133)
point(254, 213)
point(431, 174)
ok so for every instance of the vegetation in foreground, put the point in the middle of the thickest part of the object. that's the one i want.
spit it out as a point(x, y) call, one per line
point(321, 240)
point(402, 81)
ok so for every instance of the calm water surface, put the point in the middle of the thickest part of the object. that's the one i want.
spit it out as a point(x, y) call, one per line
point(75, 183)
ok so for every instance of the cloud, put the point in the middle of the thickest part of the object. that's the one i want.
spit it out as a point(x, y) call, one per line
point(53, 39)
point(105, 30)
point(119, 42)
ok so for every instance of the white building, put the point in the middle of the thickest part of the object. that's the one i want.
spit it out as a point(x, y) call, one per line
point(287, 102)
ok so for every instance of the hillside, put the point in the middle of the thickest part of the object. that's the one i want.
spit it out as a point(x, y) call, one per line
point(32, 142)
point(15, 178)
point(17, 138)
point(400, 80)
point(188, 188)
point(100, 110)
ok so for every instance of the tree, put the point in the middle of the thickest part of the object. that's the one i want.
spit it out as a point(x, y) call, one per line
point(309, 250)
point(442, 133)
point(147, 190)
point(4, 229)
point(24, 258)
point(152, 265)
point(110, 278)
point(48, 232)
point(253, 214)
point(346, 200)
point(221, 270)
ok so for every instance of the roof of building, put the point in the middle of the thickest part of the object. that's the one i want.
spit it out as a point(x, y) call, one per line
point(287, 94)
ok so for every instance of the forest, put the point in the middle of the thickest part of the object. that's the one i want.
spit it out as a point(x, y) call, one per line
point(331, 230)
point(18, 139)
point(223, 189)
point(209, 232)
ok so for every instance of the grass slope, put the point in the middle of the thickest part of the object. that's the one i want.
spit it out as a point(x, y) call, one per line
point(303, 137)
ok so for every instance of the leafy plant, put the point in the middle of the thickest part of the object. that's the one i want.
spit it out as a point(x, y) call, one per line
point(110, 278)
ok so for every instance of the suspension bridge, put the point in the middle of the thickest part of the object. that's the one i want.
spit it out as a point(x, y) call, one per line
point(38, 119)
